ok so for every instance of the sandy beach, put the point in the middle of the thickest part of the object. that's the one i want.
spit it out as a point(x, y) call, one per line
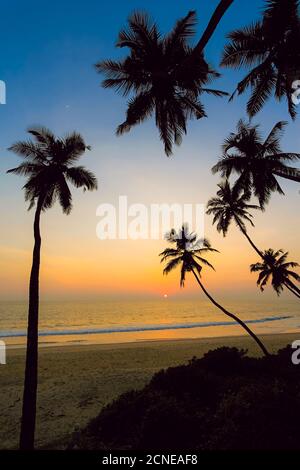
point(76, 381)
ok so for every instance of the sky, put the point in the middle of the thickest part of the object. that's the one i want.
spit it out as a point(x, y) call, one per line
point(48, 52)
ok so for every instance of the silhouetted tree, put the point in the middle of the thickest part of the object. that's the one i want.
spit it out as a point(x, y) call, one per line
point(256, 161)
point(277, 269)
point(48, 167)
point(231, 205)
point(165, 75)
point(269, 47)
point(189, 255)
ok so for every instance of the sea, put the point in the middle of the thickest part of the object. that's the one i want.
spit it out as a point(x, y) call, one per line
point(121, 321)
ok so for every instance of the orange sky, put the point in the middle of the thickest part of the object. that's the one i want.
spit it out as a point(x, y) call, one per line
point(75, 263)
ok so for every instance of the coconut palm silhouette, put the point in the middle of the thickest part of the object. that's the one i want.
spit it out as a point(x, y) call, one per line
point(164, 75)
point(48, 167)
point(269, 47)
point(256, 161)
point(232, 206)
point(189, 254)
point(277, 269)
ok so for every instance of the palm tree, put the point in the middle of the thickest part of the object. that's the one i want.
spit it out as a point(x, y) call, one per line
point(48, 166)
point(257, 161)
point(269, 47)
point(189, 255)
point(276, 267)
point(230, 205)
point(165, 76)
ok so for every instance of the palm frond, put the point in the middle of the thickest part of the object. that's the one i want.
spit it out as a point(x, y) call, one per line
point(26, 169)
point(82, 178)
point(139, 108)
point(275, 135)
point(245, 48)
point(64, 195)
point(172, 265)
point(262, 90)
point(28, 149)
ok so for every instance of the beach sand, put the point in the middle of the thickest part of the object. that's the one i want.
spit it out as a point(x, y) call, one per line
point(76, 381)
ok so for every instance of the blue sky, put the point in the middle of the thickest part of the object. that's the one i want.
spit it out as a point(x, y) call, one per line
point(48, 50)
point(47, 54)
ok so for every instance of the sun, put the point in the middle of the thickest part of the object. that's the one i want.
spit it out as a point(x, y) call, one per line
point(165, 296)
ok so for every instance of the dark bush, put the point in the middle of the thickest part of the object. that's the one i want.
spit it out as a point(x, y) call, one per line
point(224, 400)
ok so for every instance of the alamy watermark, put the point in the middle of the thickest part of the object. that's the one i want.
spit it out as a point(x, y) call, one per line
point(2, 352)
point(141, 222)
point(296, 353)
point(2, 92)
point(296, 92)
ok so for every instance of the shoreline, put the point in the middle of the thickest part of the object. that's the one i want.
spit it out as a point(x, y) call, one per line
point(57, 345)
point(141, 328)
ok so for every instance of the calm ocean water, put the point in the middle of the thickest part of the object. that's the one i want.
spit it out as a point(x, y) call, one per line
point(112, 321)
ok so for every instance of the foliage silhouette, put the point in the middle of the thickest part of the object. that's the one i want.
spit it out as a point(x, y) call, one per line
point(230, 205)
point(213, 403)
point(165, 76)
point(276, 268)
point(270, 48)
point(257, 162)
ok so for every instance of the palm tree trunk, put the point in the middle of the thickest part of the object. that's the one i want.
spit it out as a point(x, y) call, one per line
point(292, 288)
point(231, 315)
point(249, 239)
point(214, 21)
point(31, 367)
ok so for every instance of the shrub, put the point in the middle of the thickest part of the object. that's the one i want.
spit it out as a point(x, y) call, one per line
point(224, 400)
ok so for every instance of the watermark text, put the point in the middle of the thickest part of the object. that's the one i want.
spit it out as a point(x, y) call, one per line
point(141, 222)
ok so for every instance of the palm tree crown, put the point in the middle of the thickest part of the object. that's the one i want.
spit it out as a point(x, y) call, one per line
point(271, 48)
point(188, 253)
point(163, 76)
point(276, 268)
point(257, 161)
point(230, 205)
point(48, 166)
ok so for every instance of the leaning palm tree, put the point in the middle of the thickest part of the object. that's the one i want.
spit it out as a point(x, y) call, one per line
point(270, 48)
point(189, 254)
point(164, 75)
point(48, 166)
point(276, 268)
point(230, 205)
point(256, 161)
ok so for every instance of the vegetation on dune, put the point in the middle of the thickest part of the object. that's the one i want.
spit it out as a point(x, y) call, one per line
point(225, 400)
